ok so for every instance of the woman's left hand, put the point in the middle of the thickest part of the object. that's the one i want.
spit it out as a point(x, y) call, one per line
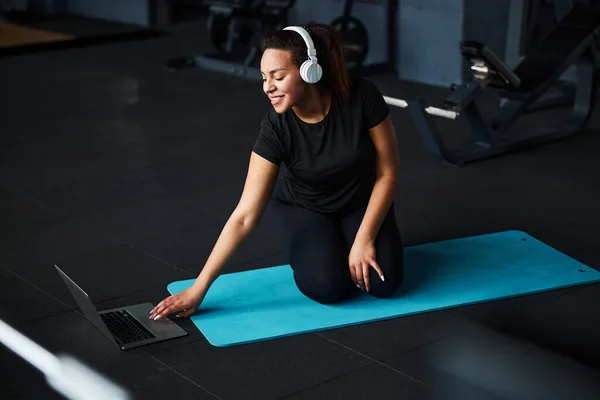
point(362, 257)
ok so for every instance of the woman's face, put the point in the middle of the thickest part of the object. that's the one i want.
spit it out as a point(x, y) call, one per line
point(281, 79)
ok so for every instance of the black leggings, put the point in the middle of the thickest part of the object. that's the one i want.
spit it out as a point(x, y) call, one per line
point(318, 245)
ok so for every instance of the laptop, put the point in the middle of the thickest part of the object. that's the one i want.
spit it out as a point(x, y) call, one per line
point(126, 327)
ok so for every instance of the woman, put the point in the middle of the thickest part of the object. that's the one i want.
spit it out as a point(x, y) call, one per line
point(333, 199)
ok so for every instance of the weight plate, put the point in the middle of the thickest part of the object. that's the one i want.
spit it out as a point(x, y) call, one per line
point(355, 40)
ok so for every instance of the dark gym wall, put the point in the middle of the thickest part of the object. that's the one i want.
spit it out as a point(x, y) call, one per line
point(135, 12)
point(428, 35)
point(129, 11)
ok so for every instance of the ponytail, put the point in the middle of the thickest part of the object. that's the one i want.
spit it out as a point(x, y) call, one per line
point(330, 54)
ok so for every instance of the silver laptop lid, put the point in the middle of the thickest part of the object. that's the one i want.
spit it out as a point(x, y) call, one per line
point(86, 305)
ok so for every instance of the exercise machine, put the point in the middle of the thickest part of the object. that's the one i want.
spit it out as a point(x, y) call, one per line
point(529, 23)
point(355, 38)
point(235, 28)
point(572, 43)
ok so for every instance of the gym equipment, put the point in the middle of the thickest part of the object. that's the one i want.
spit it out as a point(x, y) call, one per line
point(440, 112)
point(64, 373)
point(570, 44)
point(264, 304)
point(355, 38)
point(529, 24)
point(235, 28)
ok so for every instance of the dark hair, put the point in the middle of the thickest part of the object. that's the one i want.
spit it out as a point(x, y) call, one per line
point(330, 53)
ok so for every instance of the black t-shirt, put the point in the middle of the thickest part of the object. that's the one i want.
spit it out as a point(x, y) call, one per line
point(329, 166)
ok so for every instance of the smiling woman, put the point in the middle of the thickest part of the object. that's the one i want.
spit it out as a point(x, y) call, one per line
point(327, 51)
point(325, 164)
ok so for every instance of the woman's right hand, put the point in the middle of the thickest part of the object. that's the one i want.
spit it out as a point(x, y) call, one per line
point(184, 304)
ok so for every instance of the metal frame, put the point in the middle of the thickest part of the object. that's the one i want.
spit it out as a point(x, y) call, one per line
point(518, 31)
point(490, 135)
point(244, 65)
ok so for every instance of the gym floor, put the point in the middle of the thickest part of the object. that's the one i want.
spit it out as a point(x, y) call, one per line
point(124, 174)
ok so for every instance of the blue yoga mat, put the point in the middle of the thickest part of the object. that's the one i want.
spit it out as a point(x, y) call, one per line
point(264, 304)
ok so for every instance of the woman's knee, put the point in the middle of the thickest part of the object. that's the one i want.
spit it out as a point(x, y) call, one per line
point(390, 256)
point(385, 289)
point(393, 280)
point(325, 287)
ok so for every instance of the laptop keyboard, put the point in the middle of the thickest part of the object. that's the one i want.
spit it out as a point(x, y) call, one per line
point(125, 327)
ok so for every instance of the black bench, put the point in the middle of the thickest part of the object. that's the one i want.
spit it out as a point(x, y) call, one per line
point(573, 42)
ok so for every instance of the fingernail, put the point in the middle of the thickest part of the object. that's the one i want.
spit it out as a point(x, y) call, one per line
point(157, 317)
point(382, 278)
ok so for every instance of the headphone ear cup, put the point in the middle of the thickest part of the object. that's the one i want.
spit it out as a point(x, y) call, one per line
point(304, 71)
point(310, 68)
point(316, 70)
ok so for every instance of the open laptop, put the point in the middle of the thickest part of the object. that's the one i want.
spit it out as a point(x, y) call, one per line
point(127, 327)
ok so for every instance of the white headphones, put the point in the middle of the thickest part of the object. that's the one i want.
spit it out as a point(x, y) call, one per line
point(310, 70)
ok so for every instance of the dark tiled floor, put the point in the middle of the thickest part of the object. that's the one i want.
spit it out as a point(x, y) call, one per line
point(266, 369)
point(124, 173)
point(23, 301)
point(485, 364)
point(372, 382)
point(53, 243)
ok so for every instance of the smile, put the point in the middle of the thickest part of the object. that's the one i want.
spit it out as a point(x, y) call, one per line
point(276, 100)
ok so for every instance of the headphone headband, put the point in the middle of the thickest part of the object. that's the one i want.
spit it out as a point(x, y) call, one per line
point(310, 70)
point(312, 52)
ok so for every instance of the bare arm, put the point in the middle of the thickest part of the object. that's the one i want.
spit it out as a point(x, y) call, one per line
point(362, 255)
point(260, 181)
point(387, 166)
